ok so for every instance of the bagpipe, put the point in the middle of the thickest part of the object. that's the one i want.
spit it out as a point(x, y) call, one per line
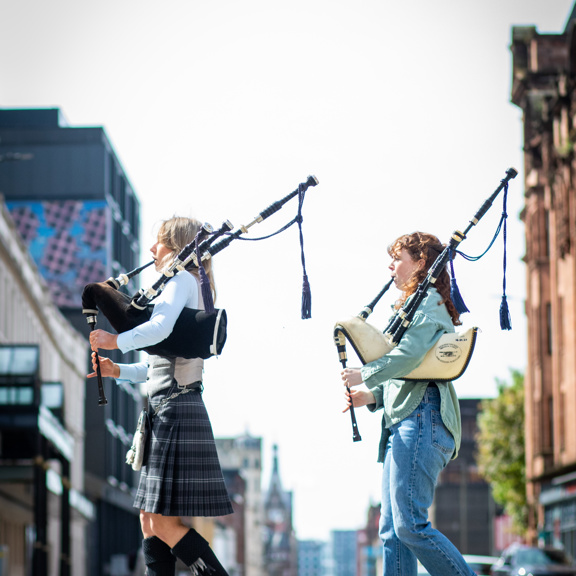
point(196, 333)
point(449, 358)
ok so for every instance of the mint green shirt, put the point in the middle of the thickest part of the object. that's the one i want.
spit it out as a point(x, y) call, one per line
point(397, 397)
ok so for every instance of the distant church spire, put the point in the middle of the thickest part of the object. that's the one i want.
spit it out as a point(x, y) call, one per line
point(275, 489)
point(280, 543)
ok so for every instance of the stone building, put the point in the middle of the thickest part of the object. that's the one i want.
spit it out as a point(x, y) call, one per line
point(241, 461)
point(544, 87)
point(44, 514)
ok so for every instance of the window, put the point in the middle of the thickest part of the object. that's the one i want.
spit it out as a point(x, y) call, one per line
point(19, 371)
point(19, 361)
point(21, 395)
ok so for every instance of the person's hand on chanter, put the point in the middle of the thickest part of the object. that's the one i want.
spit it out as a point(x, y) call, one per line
point(107, 367)
point(104, 340)
point(351, 377)
point(357, 398)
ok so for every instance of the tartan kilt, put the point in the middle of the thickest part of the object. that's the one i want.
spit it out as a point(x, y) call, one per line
point(182, 476)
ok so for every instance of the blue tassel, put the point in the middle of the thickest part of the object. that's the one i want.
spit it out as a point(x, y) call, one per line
point(456, 297)
point(505, 320)
point(306, 299)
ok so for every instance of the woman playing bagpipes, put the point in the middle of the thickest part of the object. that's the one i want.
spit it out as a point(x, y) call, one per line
point(182, 475)
point(421, 427)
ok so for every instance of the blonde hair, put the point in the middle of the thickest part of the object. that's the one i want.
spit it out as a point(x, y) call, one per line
point(177, 232)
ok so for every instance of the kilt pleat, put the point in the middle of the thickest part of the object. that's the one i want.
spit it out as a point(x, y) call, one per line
point(182, 476)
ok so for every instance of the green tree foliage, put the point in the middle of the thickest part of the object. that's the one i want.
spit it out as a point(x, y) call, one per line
point(501, 452)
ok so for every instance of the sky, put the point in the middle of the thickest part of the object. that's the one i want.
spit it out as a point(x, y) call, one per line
point(217, 109)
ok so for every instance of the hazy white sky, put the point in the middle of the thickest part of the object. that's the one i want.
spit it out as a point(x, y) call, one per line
point(217, 109)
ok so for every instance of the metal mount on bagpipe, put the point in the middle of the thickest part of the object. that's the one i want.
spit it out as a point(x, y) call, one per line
point(449, 358)
point(196, 333)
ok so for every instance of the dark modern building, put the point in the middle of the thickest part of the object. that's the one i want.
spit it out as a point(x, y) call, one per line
point(463, 507)
point(79, 217)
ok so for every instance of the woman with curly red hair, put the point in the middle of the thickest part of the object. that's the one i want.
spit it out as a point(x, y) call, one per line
point(421, 427)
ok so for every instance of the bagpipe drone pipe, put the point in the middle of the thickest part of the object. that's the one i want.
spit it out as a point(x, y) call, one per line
point(196, 333)
point(449, 358)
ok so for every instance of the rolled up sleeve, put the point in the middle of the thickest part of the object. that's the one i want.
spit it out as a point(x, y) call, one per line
point(405, 357)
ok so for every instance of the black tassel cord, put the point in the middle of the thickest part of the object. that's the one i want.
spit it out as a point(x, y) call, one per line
point(505, 320)
point(306, 311)
point(306, 294)
point(205, 287)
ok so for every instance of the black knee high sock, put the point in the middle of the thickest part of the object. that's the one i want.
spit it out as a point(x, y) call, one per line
point(196, 553)
point(158, 557)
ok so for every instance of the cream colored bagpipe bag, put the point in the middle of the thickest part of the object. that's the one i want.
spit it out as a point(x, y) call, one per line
point(445, 361)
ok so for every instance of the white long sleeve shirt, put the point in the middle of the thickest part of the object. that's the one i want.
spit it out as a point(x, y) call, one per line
point(180, 292)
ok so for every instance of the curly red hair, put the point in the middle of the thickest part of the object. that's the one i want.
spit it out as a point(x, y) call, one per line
point(427, 247)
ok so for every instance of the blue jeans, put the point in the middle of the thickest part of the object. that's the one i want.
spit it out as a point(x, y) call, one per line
point(418, 448)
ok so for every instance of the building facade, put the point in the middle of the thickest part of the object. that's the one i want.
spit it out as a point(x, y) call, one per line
point(44, 514)
point(544, 88)
point(241, 462)
point(78, 215)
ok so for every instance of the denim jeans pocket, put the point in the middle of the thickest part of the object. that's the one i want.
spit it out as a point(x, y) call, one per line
point(441, 437)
